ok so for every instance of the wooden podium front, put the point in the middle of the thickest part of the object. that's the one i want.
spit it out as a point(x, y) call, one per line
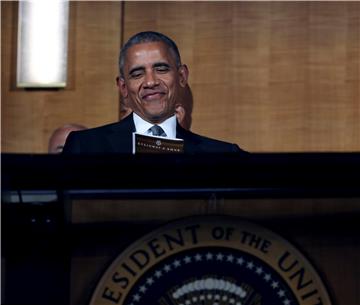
point(65, 219)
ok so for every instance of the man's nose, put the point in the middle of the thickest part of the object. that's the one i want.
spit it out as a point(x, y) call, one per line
point(151, 79)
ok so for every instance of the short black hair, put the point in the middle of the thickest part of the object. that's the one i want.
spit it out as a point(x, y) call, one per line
point(148, 36)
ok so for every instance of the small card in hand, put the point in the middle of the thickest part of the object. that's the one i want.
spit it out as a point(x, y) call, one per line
point(156, 145)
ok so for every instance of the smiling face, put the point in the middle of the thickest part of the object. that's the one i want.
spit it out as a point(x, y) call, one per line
point(152, 81)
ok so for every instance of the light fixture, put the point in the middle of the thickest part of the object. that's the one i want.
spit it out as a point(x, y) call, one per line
point(42, 43)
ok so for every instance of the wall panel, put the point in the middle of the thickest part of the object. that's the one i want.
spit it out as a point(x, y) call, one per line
point(274, 76)
point(91, 97)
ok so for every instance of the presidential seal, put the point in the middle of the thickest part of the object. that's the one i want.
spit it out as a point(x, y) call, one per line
point(211, 260)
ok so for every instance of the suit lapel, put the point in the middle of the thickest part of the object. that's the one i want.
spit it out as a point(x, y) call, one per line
point(191, 142)
point(120, 136)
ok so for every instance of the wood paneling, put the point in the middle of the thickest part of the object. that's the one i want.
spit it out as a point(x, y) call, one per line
point(91, 97)
point(274, 76)
point(132, 211)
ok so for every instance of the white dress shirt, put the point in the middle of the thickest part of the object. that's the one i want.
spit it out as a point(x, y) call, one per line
point(142, 126)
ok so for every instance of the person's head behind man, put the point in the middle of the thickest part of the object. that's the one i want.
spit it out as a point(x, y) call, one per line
point(58, 138)
point(151, 76)
point(184, 108)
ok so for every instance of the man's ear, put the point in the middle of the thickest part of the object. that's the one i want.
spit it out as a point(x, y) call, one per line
point(183, 75)
point(122, 86)
point(180, 113)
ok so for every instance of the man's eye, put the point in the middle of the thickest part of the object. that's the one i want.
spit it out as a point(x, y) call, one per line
point(162, 69)
point(135, 74)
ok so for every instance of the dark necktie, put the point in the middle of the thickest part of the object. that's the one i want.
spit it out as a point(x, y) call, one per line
point(157, 131)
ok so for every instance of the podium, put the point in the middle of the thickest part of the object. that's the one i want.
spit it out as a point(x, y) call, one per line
point(65, 218)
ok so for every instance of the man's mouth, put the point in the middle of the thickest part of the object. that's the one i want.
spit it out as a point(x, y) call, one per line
point(152, 96)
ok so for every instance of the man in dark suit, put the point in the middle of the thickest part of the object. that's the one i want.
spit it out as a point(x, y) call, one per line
point(152, 78)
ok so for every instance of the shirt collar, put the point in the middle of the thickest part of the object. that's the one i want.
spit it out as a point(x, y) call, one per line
point(169, 125)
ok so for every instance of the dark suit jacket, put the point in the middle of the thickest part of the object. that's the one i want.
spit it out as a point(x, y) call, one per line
point(117, 138)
